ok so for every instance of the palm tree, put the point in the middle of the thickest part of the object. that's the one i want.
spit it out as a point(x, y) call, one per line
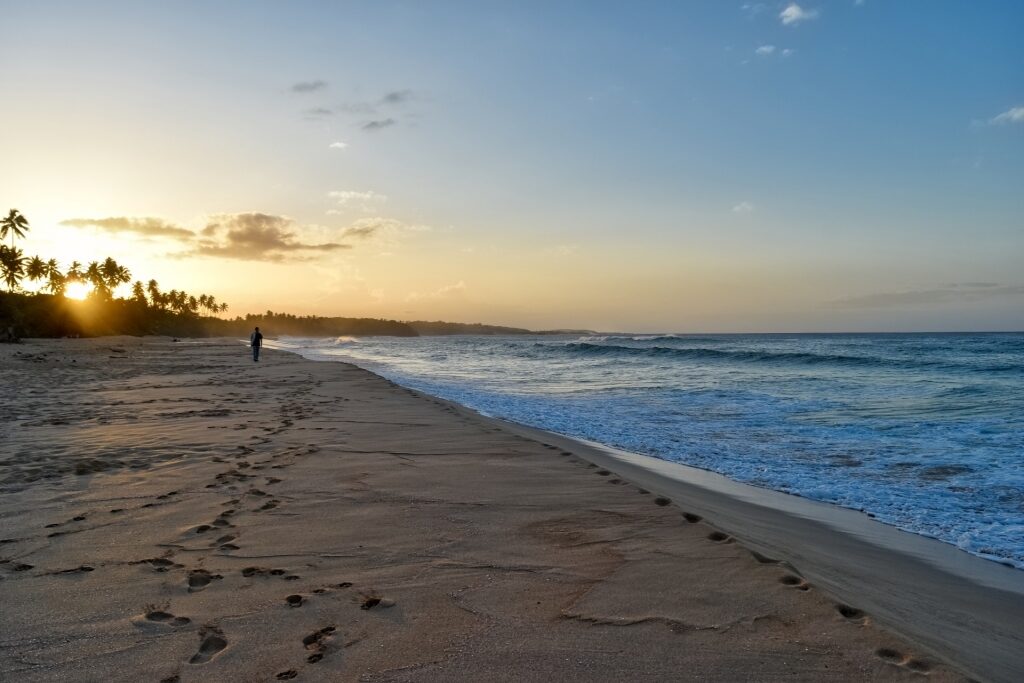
point(75, 272)
point(139, 292)
point(35, 269)
point(14, 224)
point(223, 306)
point(12, 266)
point(155, 297)
point(94, 275)
point(57, 282)
point(211, 304)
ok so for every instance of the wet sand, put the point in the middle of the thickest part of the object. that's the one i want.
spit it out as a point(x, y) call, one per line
point(175, 512)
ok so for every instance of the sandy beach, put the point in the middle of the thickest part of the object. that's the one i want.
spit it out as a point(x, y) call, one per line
point(176, 512)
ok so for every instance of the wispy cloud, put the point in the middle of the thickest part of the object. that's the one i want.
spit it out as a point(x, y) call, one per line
point(396, 97)
point(752, 9)
point(765, 50)
point(447, 291)
point(743, 207)
point(149, 227)
point(794, 14)
point(1011, 115)
point(379, 124)
point(318, 112)
point(257, 237)
point(338, 145)
point(384, 231)
point(308, 86)
point(963, 292)
point(381, 111)
point(366, 199)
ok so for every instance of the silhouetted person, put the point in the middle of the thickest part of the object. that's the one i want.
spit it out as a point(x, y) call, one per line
point(256, 341)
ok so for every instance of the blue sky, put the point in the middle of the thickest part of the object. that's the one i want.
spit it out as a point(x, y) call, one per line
point(704, 166)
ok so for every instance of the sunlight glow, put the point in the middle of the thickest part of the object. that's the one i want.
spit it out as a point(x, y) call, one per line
point(78, 290)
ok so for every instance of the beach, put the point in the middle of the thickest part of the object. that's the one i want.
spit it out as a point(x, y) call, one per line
point(172, 511)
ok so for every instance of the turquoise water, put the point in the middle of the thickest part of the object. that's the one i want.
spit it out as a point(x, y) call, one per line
point(922, 431)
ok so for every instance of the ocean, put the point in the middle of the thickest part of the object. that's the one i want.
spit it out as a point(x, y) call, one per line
point(921, 431)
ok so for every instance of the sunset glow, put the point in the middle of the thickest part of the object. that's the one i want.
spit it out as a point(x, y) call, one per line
point(77, 290)
point(685, 166)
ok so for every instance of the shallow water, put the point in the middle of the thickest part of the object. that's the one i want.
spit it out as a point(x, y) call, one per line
point(922, 431)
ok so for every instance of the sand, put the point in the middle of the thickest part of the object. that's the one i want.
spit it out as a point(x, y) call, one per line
point(175, 512)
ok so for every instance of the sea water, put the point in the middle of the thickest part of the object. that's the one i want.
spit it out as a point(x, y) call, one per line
point(921, 431)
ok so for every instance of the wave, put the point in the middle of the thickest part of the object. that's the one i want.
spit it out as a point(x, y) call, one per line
point(774, 357)
point(702, 353)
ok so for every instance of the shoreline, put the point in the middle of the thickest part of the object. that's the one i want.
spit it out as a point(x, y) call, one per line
point(175, 512)
point(966, 609)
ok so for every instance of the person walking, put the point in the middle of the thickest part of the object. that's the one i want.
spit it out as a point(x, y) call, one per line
point(256, 342)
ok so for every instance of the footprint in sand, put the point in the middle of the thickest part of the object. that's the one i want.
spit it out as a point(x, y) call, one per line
point(198, 579)
point(795, 582)
point(662, 501)
point(160, 618)
point(371, 601)
point(160, 564)
point(692, 518)
point(287, 675)
point(316, 642)
point(211, 643)
point(851, 613)
point(295, 600)
point(896, 658)
point(718, 537)
point(224, 542)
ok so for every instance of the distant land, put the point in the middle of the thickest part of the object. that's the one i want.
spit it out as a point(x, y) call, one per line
point(46, 315)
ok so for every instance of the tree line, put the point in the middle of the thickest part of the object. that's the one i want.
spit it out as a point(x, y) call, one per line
point(148, 310)
point(103, 276)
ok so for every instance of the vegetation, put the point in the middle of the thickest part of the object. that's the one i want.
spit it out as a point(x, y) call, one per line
point(49, 313)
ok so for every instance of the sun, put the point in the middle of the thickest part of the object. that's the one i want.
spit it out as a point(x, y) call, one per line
point(78, 290)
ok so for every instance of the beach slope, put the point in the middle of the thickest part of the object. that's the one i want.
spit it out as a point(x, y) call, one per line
point(176, 512)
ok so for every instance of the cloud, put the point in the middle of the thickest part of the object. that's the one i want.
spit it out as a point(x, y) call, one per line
point(964, 292)
point(743, 207)
point(386, 231)
point(149, 227)
point(765, 50)
point(786, 52)
point(361, 232)
point(753, 8)
point(794, 14)
point(1011, 115)
point(447, 291)
point(396, 97)
point(256, 237)
point(337, 145)
point(308, 86)
point(379, 124)
point(367, 200)
point(318, 112)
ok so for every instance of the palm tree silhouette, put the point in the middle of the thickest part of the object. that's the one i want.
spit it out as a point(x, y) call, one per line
point(139, 292)
point(12, 266)
point(57, 281)
point(15, 225)
point(35, 269)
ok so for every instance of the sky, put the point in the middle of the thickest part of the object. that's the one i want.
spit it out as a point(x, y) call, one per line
point(685, 166)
